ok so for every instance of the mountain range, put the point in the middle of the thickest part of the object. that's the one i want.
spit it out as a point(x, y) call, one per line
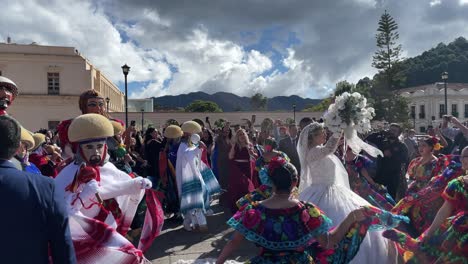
point(229, 102)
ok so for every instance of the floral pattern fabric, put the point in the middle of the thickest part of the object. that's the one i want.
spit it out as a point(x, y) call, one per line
point(421, 207)
point(377, 196)
point(420, 174)
point(289, 235)
point(449, 242)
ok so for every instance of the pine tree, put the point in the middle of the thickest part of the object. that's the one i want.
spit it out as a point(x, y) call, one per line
point(387, 58)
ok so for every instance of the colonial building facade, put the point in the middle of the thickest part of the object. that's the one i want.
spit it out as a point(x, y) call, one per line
point(50, 80)
point(427, 103)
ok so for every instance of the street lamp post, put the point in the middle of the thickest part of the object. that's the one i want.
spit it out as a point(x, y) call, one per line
point(294, 112)
point(125, 70)
point(107, 104)
point(142, 119)
point(445, 78)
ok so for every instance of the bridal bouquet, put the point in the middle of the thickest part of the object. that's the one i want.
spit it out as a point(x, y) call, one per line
point(350, 113)
point(349, 110)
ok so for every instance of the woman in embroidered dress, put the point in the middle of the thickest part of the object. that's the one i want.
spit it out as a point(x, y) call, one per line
point(361, 182)
point(422, 169)
point(290, 231)
point(242, 156)
point(422, 207)
point(446, 240)
point(193, 185)
point(324, 182)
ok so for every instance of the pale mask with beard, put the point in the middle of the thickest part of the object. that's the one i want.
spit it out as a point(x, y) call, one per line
point(93, 152)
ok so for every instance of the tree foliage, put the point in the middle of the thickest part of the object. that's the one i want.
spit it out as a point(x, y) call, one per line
point(428, 67)
point(387, 57)
point(258, 102)
point(203, 106)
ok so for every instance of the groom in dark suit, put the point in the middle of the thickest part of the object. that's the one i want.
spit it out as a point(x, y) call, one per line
point(34, 220)
point(288, 146)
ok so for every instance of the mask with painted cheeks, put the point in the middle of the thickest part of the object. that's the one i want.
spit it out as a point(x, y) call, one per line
point(94, 152)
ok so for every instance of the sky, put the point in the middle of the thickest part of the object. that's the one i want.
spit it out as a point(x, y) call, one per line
point(274, 47)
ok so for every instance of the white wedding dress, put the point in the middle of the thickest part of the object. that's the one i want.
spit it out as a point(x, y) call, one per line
point(324, 182)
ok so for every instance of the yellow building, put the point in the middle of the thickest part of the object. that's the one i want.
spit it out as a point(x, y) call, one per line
point(50, 80)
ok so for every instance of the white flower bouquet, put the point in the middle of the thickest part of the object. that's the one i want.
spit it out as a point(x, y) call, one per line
point(349, 110)
point(350, 113)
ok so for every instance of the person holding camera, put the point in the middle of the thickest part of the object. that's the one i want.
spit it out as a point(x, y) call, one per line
point(458, 133)
point(391, 167)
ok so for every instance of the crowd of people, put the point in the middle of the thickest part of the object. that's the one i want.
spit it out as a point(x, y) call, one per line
point(295, 190)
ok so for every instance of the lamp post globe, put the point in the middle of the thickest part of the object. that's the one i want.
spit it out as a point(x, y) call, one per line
point(126, 70)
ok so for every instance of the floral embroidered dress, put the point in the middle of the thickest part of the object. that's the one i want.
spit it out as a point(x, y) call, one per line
point(420, 174)
point(449, 242)
point(421, 207)
point(289, 235)
point(377, 197)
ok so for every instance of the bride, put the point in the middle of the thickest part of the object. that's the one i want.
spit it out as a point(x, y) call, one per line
point(324, 182)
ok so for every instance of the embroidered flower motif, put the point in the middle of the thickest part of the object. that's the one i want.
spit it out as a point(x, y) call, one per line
point(313, 223)
point(251, 218)
point(314, 212)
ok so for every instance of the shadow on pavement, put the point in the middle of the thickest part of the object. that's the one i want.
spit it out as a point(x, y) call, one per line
point(176, 241)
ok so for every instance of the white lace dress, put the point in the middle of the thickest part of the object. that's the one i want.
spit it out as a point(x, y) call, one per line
point(324, 182)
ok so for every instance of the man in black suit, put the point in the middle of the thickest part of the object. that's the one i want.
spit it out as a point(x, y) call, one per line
point(288, 146)
point(33, 216)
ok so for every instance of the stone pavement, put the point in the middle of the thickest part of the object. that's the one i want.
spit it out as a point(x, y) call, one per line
point(175, 243)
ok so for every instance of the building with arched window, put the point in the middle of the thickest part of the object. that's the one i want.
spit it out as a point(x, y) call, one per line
point(427, 103)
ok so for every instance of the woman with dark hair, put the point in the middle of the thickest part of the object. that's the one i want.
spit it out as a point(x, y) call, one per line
point(422, 169)
point(242, 157)
point(290, 231)
point(207, 139)
point(152, 148)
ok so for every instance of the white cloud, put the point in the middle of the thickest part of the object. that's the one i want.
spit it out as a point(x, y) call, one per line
point(198, 46)
point(81, 25)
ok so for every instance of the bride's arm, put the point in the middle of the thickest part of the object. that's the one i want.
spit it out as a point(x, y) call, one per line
point(320, 152)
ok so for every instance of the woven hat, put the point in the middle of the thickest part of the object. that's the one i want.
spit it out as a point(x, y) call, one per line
point(118, 128)
point(9, 85)
point(191, 127)
point(39, 139)
point(90, 126)
point(27, 138)
point(173, 131)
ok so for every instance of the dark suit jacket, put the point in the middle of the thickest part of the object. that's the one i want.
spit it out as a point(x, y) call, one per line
point(287, 146)
point(33, 219)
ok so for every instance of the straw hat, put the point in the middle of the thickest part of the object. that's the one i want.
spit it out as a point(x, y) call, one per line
point(173, 131)
point(191, 127)
point(118, 128)
point(39, 139)
point(27, 138)
point(90, 126)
